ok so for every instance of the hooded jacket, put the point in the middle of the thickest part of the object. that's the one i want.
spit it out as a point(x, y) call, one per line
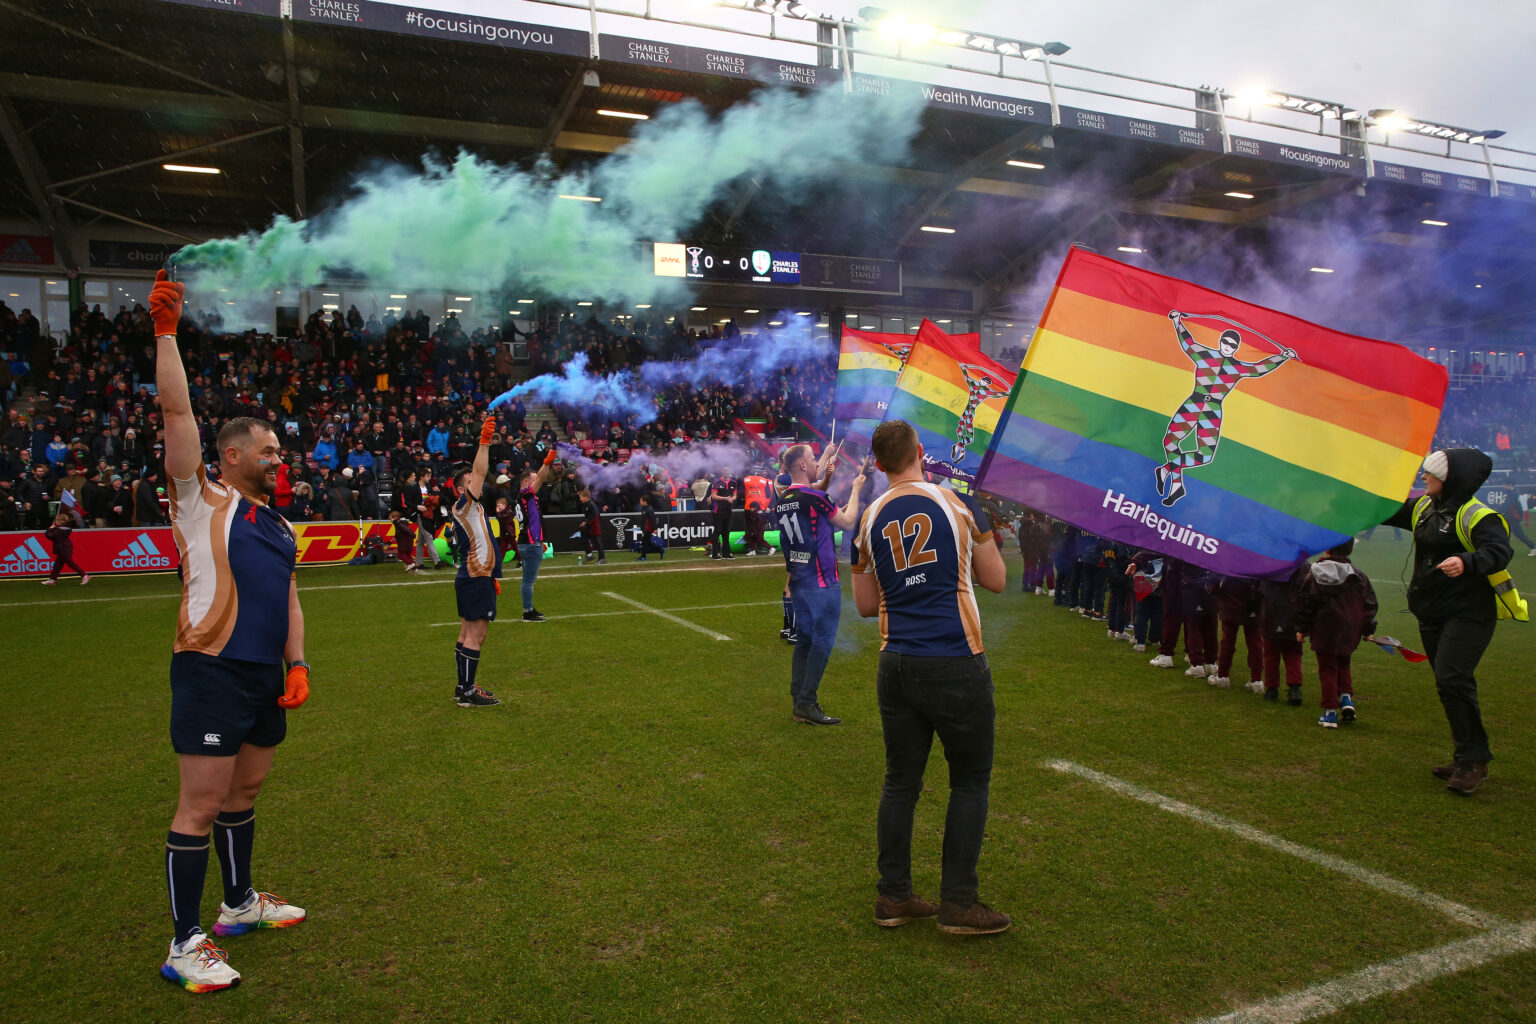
point(1434, 597)
point(1336, 606)
point(1277, 603)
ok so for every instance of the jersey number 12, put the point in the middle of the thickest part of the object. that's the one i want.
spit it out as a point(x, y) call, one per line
point(920, 528)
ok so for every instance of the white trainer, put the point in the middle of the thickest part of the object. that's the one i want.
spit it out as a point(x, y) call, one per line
point(1161, 661)
point(262, 910)
point(1139, 648)
point(1221, 681)
point(197, 965)
point(1210, 668)
point(1255, 686)
point(1198, 671)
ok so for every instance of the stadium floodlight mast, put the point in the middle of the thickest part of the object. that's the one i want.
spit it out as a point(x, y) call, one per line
point(1261, 97)
point(788, 8)
point(903, 29)
point(1389, 120)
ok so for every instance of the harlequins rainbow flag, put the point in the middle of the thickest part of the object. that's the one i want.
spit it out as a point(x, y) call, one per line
point(1172, 417)
point(954, 399)
point(867, 367)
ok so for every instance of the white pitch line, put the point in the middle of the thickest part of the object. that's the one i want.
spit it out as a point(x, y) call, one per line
point(1381, 979)
point(592, 573)
point(632, 611)
point(666, 615)
point(1455, 911)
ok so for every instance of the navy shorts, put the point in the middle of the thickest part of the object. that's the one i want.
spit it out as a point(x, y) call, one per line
point(219, 703)
point(476, 596)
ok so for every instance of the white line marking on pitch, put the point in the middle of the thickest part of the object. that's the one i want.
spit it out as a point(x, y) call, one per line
point(1396, 975)
point(666, 615)
point(591, 573)
point(1455, 911)
point(633, 611)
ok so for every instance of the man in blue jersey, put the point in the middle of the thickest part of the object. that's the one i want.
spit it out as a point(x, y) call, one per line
point(918, 550)
point(806, 518)
point(240, 621)
point(478, 581)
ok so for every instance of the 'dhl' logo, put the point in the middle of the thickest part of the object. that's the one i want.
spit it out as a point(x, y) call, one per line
point(328, 543)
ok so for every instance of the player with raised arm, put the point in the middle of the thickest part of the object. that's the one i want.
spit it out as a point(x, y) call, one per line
point(479, 578)
point(239, 623)
point(806, 517)
point(919, 550)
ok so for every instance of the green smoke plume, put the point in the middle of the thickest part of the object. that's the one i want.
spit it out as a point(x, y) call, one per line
point(475, 225)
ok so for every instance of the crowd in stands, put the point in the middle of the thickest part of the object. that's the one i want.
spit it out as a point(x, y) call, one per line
point(357, 404)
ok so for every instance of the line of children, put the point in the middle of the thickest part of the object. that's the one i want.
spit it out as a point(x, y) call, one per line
point(1149, 595)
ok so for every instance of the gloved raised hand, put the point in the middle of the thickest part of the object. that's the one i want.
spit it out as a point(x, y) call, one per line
point(165, 303)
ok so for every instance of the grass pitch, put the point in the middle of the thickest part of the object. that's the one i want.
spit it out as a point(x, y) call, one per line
point(639, 832)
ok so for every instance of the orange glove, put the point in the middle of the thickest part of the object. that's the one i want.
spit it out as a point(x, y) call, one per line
point(487, 429)
point(549, 457)
point(296, 686)
point(498, 585)
point(165, 303)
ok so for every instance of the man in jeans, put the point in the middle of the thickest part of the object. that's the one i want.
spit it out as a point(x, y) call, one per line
point(530, 543)
point(918, 549)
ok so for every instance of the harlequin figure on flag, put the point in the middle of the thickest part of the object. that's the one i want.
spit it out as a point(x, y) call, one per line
point(1217, 372)
point(981, 384)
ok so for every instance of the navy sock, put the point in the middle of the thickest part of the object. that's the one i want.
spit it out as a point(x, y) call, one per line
point(234, 832)
point(471, 663)
point(186, 867)
point(459, 669)
point(789, 614)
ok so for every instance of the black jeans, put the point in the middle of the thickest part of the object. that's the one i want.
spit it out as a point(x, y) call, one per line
point(1454, 649)
point(919, 697)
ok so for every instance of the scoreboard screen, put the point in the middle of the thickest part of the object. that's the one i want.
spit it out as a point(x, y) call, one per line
point(741, 265)
point(727, 264)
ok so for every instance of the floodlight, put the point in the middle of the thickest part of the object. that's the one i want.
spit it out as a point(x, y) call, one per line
point(896, 26)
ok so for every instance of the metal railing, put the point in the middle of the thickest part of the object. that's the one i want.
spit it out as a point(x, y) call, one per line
point(840, 45)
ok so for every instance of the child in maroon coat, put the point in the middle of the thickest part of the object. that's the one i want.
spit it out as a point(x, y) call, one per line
point(405, 540)
point(1282, 644)
point(1237, 607)
point(63, 549)
point(1337, 607)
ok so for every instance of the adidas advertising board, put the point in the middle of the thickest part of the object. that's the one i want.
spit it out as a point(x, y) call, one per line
point(29, 553)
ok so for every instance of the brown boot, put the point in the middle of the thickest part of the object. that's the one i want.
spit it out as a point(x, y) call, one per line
point(976, 919)
point(1468, 777)
point(891, 913)
point(1443, 771)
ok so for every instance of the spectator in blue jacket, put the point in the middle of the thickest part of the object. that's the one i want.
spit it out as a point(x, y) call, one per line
point(56, 451)
point(437, 439)
point(325, 452)
point(359, 458)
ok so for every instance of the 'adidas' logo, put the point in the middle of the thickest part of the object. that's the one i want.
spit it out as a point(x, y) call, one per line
point(21, 251)
point(141, 554)
point(28, 557)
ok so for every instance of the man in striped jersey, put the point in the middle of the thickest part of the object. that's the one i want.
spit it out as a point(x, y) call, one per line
point(479, 578)
point(240, 621)
point(918, 550)
point(806, 517)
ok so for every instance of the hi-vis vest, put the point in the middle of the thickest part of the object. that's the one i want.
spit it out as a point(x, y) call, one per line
point(1511, 604)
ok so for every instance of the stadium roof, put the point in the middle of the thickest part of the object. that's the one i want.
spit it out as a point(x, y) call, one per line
point(97, 95)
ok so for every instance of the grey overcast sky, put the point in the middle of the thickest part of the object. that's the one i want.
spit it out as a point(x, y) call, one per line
point(1469, 63)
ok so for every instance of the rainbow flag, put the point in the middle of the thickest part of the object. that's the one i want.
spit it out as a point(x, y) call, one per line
point(954, 399)
point(868, 364)
point(1172, 417)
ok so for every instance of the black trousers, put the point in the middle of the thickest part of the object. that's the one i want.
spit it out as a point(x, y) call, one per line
point(1454, 648)
point(920, 697)
point(722, 537)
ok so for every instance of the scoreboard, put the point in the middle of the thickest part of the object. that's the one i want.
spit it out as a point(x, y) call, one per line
point(740, 265)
